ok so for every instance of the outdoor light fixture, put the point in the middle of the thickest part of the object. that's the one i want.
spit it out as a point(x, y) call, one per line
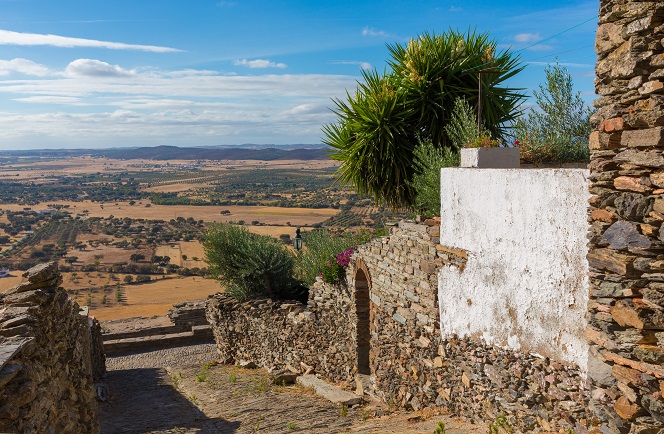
point(297, 241)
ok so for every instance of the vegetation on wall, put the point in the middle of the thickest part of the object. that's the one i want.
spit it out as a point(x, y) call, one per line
point(558, 130)
point(379, 127)
point(321, 248)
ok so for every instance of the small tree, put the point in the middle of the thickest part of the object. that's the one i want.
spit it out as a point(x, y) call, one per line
point(558, 130)
point(128, 279)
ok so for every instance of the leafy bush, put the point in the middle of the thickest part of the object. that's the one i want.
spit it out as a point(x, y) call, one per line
point(558, 131)
point(426, 181)
point(462, 127)
point(250, 265)
point(321, 248)
point(379, 125)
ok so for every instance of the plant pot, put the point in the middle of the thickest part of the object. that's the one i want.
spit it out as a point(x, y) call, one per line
point(490, 158)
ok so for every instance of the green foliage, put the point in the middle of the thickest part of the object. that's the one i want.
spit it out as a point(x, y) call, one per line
point(321, 247)
point(500, 425)
point(426, 180)
point(440, 428)
point(559, 129)
point(462, 127)
point(249, 265)
point(378, 127)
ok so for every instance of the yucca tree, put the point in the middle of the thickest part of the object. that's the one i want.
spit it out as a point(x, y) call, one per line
point(379, 126)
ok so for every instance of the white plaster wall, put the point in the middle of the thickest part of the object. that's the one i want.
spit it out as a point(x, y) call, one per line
point(525, 285)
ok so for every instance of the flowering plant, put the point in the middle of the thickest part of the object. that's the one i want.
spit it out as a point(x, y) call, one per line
point(334, 271)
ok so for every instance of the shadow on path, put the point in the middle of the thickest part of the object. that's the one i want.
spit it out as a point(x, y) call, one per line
point(145, 401)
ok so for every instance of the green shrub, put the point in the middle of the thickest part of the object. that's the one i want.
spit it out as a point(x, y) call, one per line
point(558, 130)
point(426, 181)
point(321, 248)
point(250, 265)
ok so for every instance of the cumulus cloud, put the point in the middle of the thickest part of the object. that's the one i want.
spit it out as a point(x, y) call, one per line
point(95, 68)
point(527, 37)
point(23, 66)
point(363, 65)
point(15, 38)
point(259, 63)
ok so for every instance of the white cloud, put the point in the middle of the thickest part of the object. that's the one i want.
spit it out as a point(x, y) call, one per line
point(455, 9)
point(259, 63)
point(363, 65)
point(368, 31)
point(527, 37)
point(51, 100)
point(23, 66)
point(541, 47)
point(174, 107)
point(95, 68)
point(15, 38)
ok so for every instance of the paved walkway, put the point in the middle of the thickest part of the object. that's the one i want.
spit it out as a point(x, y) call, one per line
point(175, 391)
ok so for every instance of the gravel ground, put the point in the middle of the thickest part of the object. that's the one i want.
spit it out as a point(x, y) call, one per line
point(177, 390)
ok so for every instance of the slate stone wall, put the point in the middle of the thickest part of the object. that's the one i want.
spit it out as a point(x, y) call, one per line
point(315, 337)
point(412, 366)
point(46, 362)
point(626, 256)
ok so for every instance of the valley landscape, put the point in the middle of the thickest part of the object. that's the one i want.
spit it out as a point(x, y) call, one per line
point(127, 231)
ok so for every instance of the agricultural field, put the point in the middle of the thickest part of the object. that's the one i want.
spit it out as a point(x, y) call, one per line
point(127, 233)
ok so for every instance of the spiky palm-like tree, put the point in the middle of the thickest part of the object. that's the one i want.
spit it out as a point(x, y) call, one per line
point(379, 126)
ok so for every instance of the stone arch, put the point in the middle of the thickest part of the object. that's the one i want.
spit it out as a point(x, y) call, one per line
point(363, 315)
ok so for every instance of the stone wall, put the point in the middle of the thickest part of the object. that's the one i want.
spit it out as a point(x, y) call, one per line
point(188, 314)
point(626, 310)
point(414, 366)
point(46, 367)
point(318, 336)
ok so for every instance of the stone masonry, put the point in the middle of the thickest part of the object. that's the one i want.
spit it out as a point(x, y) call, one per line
point(48, 356)
point(385, 322)
point(626, 309)
point(413, 367)
point(317, 337)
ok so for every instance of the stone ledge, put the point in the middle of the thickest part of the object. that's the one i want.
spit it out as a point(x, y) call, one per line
point(197, 334)
point(328, 391)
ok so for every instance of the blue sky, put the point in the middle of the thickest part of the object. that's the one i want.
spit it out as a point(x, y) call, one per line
point(213, 72)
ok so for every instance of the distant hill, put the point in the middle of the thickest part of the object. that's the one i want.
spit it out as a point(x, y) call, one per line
point(177, 153)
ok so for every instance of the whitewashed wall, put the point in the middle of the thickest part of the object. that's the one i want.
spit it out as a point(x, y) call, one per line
point(525, 284)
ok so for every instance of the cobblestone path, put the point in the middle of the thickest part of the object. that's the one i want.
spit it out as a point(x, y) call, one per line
point(176, 391)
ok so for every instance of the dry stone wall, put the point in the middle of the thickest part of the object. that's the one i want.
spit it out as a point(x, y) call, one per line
point(626, 255)
point(318, 336)
point(46, 361)
point(414, 367)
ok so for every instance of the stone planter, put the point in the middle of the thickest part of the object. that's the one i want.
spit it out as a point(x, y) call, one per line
point(490, 158)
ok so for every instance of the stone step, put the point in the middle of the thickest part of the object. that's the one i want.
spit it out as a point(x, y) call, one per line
point(197, 334)
point(328, 391)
